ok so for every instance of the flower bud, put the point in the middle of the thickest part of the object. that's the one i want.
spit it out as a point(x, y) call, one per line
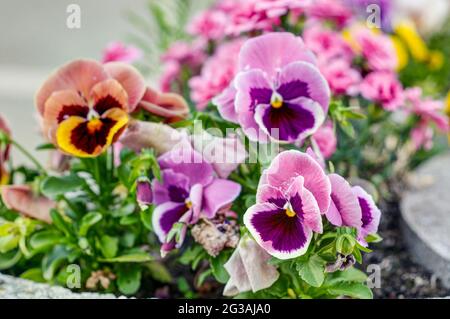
point(345, 244)
point(144, 195)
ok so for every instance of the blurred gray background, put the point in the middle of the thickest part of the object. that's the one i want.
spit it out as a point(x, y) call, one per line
point(34, 40)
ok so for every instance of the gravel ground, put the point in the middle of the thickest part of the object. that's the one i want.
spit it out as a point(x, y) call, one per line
point(15, 288)
point(400, 276)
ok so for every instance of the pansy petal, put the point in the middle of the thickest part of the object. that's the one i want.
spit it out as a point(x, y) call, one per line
point(78, 75)
point(187, 161)
point(369, 211)
point(344, 203)
point(269, 194)
point(59, 106)
point(174, 188)
point(252, 89)
point(158, 136)
point(171, 106)
point(300, 79)
point(294, 121)
point(130, 79)
point(21, 199)
point(218, 194)
point(305, 205)
point(196, 199)
point(108, 94)
point(290, 164)
point(281, 236)
point(225, 104)
point(82, 138)
point(165, 216)
point(272, 51)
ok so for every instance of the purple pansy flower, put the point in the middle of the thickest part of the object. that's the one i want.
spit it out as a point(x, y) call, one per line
point(292, 194)
point(370, 214)
point(189, 190)
point(144, 195)
point(280, 94)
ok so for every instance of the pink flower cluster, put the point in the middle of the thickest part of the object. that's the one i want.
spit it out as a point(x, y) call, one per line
point(234, 17)
point(217, 73)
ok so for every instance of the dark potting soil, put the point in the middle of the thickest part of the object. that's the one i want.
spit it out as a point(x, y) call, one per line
point(401, 277)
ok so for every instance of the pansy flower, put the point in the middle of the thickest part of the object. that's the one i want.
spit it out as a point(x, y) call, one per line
point(85, 105)
point(4, 151)
point(280, 93)
point(189, 190)
point(344, 209)
point(292, 194)
point(370, 214)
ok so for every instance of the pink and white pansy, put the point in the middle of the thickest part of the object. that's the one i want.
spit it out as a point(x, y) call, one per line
point(280, 93)
point(292, 194)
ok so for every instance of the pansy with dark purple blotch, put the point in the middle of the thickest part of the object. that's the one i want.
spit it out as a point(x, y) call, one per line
point(189, 190)
point(281, 94)
point(288, 205)
point(370, 214)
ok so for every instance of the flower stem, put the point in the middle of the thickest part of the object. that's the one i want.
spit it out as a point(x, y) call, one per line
point(29, 156)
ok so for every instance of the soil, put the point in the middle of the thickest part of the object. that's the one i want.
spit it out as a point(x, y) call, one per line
point(401, 277)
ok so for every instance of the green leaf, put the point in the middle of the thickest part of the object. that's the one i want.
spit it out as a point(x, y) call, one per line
point(53, 261)
point(128, 220)
point(109, 246)
point(33, 274)
point(129, 279)
point(347, 128)
point(349, 275)
point(89, 220)
point(202, 277)
point(60, 223)
point(146, 217)
point(9, 259)
point(45, 147)
point(351, 289)
point(373, 238)
point(53, 185)
point(45, 239)
point(129, 258)
point(159, 272)
point(217, 267)
point(312, 270)
point(9, 242)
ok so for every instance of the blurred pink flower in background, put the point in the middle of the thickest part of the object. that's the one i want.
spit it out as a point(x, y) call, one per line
point(210, 24)
point(376, 48)
point(118, 52)
point(330, 10)
point(325, 139)
point(341, 77)
point(217, 73)
point(422, 136)
point(429, 110)
point(178, 55)
point(384, 88)
point(327, 44)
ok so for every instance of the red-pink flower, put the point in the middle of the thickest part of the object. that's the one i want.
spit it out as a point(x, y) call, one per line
point(118, 52)
point(326, 140)
point(217, 73)
point(422, 136)
point(341, 77)
point(330, 10)
point(210, 24)
point(383, 87)
point(377, 48)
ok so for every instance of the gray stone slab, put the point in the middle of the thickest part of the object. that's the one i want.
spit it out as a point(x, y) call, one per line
point(426, 217)
point(16, 288)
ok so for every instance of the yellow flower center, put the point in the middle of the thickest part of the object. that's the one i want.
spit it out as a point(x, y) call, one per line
point(188, 204)
point(276, 101)
point(94, 125)
point(290, 212)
